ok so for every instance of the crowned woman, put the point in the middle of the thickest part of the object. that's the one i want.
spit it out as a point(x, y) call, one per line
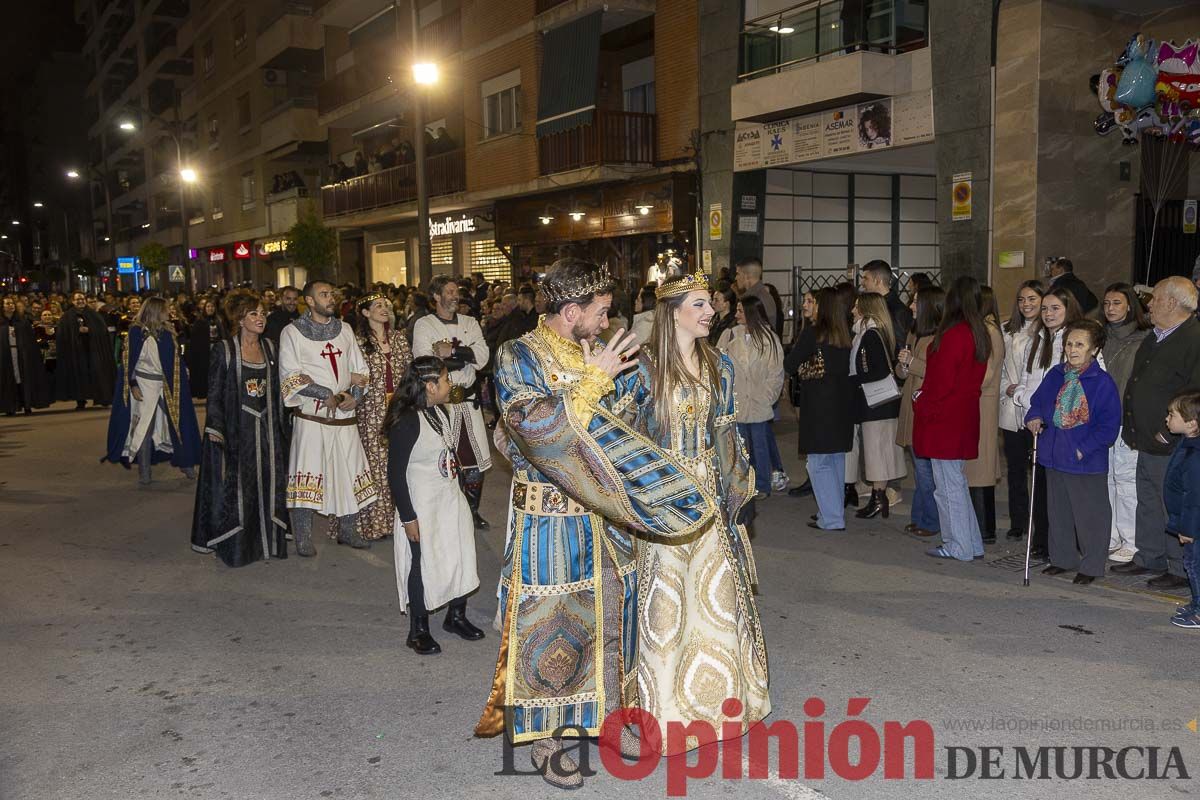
point(388, 356)
point(701, 656)
point(152, 418)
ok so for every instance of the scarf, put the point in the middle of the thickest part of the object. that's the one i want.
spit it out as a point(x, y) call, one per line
point(1071, 406)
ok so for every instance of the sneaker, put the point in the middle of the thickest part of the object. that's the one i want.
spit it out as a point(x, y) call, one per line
point(1122, 555)
point(1189, 621)
point(779, 481)
point(894, 497)
point(1185, 610)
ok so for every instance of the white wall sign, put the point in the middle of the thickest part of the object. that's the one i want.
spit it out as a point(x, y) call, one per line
point(451, 226)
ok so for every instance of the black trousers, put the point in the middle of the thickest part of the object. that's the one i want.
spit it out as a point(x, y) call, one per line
point(1017, 447)
point(416, 588)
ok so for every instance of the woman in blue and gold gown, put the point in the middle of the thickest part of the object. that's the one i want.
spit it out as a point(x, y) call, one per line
point(700, 641)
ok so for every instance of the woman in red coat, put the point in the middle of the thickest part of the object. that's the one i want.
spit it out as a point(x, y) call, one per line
point(946, 416)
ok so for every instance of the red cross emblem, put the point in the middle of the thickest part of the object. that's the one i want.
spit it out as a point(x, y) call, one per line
point(332, 355)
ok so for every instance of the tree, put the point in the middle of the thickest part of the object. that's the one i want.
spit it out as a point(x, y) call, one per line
point(312, 245)
point(154, 257)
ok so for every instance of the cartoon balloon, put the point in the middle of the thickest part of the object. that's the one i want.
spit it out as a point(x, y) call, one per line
point(1136, 86)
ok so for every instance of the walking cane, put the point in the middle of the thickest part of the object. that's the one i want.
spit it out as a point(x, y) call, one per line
point(1032, 495)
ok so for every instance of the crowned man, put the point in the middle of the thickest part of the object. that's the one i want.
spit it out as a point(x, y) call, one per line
point(582, 480)
point(323, 376)
point(458, 340)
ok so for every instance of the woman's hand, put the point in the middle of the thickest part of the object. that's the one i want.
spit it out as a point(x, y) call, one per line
point(1185, 539)
point(1035, 426)
point(136, 392)
point(412, 531)
point(216, 438)
point(1011, 390)
point(358, 380)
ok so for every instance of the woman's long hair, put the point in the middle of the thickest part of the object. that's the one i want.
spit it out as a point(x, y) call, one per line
point(410, 394)
point(1136, 314)
point(964, 303)
point(362, 327)
point(1043, 350)
point(830, 323)
point(667, 370)
point(236, 306)
point(873, 308)
point(1017, 322)
point(761, 332)
point(152, 316)
point(931, 304)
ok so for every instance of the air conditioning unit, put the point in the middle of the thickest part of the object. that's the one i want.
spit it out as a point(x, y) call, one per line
point(274, 77)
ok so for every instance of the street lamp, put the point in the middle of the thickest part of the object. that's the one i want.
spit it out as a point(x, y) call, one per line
point(37, 204)
point(174, 129)
point(72, 174)
point(101, 175)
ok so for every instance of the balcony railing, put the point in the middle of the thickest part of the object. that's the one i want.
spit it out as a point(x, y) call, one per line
point(443, 36)
point(545, 5)
point(444, 174)
point(820, 29)
point(614, 137)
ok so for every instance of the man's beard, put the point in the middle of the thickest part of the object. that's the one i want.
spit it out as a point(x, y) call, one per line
point(579, 333)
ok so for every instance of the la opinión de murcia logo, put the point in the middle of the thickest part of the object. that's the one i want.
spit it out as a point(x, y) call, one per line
point(853, 749)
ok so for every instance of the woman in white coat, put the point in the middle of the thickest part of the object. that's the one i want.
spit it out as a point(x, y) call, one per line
point(438, 566)
point(1059, 309)
point(757, 357)
point(1020, 330)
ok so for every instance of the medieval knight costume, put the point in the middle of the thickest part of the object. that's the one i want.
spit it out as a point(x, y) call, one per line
point(241, 497)
point(470, 353)
point(161, 426)
point(327, 469)
point(582, 478)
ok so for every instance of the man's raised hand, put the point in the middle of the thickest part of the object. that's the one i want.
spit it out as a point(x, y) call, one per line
point(614, 359)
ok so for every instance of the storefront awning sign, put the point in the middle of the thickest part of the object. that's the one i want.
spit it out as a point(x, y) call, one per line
point(216, 254)
point(450, 226)
point(241, 250)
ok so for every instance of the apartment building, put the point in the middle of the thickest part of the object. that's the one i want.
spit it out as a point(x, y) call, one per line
point(229, 85)
point(554, 127)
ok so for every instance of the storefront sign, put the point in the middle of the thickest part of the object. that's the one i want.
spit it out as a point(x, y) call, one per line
point(1189, 216)
point(873, 125)
point(272, 247)
point(451, 226)
point(216, 254)
point(241, 250)
point(716, 222)
point(128, 265)
point(960, 197)
point(1011, 259)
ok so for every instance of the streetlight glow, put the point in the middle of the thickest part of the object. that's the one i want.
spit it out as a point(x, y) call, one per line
point(37, 204)
point(188, 175)
point(72, 174)
point(425, 74)
point(127, 126)
point(16, 222)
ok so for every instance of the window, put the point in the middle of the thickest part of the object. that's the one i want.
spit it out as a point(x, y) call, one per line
point(485, 257)
point(248, 195)
point(210, 57)
point(214, 131)
point(501, 104)
point(637, 82)
point(216, 201)
point(441, 254)
point(239, 31)
point(243, 106)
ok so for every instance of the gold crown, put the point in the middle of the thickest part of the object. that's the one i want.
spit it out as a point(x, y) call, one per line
point(371, 298)
point(673, 287)
point(578, 288)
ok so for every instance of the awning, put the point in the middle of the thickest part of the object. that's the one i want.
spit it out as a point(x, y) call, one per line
point(570, 69)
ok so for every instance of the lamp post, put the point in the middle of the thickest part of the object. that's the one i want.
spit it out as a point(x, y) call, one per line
point(185, 175)
point(424, 74)
point(101, 175)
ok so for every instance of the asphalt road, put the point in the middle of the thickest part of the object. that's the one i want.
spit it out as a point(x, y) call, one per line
point(133, 667)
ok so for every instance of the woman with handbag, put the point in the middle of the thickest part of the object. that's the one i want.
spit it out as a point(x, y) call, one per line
point(877, 403)
point(946, 416)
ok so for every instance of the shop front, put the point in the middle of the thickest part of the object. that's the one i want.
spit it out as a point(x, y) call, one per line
point(460, 243)
point(277, 266)
point(631, 227)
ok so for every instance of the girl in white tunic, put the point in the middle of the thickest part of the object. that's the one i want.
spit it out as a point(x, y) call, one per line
point(438, 565)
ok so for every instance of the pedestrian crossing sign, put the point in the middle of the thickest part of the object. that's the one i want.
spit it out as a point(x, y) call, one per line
point(177, 274)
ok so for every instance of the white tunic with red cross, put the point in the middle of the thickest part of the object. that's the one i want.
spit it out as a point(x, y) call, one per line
point(327, 468)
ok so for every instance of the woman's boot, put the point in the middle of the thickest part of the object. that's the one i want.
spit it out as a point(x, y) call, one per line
point(457, 623)
point(851, 496)
point(877, 505)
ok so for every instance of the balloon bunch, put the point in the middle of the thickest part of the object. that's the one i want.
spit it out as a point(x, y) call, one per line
point(1153, 89)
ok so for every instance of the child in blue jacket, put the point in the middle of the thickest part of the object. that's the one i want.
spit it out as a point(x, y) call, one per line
point(1076, 414)
point(1181, 495)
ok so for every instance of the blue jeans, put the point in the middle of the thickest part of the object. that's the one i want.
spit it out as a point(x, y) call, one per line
point(924, 507)
point(758, 439)
point(826, 472)
point(960, 528)
point(1191, 565)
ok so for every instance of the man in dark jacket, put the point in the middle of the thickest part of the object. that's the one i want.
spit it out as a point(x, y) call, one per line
point(86, 369)
point(1165, 363)
point(283, 314)
point(522, 319)
point(877, 278)
point(1062, 276)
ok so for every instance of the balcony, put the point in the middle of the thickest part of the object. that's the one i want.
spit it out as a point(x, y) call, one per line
point(289, 38)
point(444, 174)
point(443, 36)
point(816, 30)
point(372, 70)
point(542, 6)
point(293, 120)
point(614, 137)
